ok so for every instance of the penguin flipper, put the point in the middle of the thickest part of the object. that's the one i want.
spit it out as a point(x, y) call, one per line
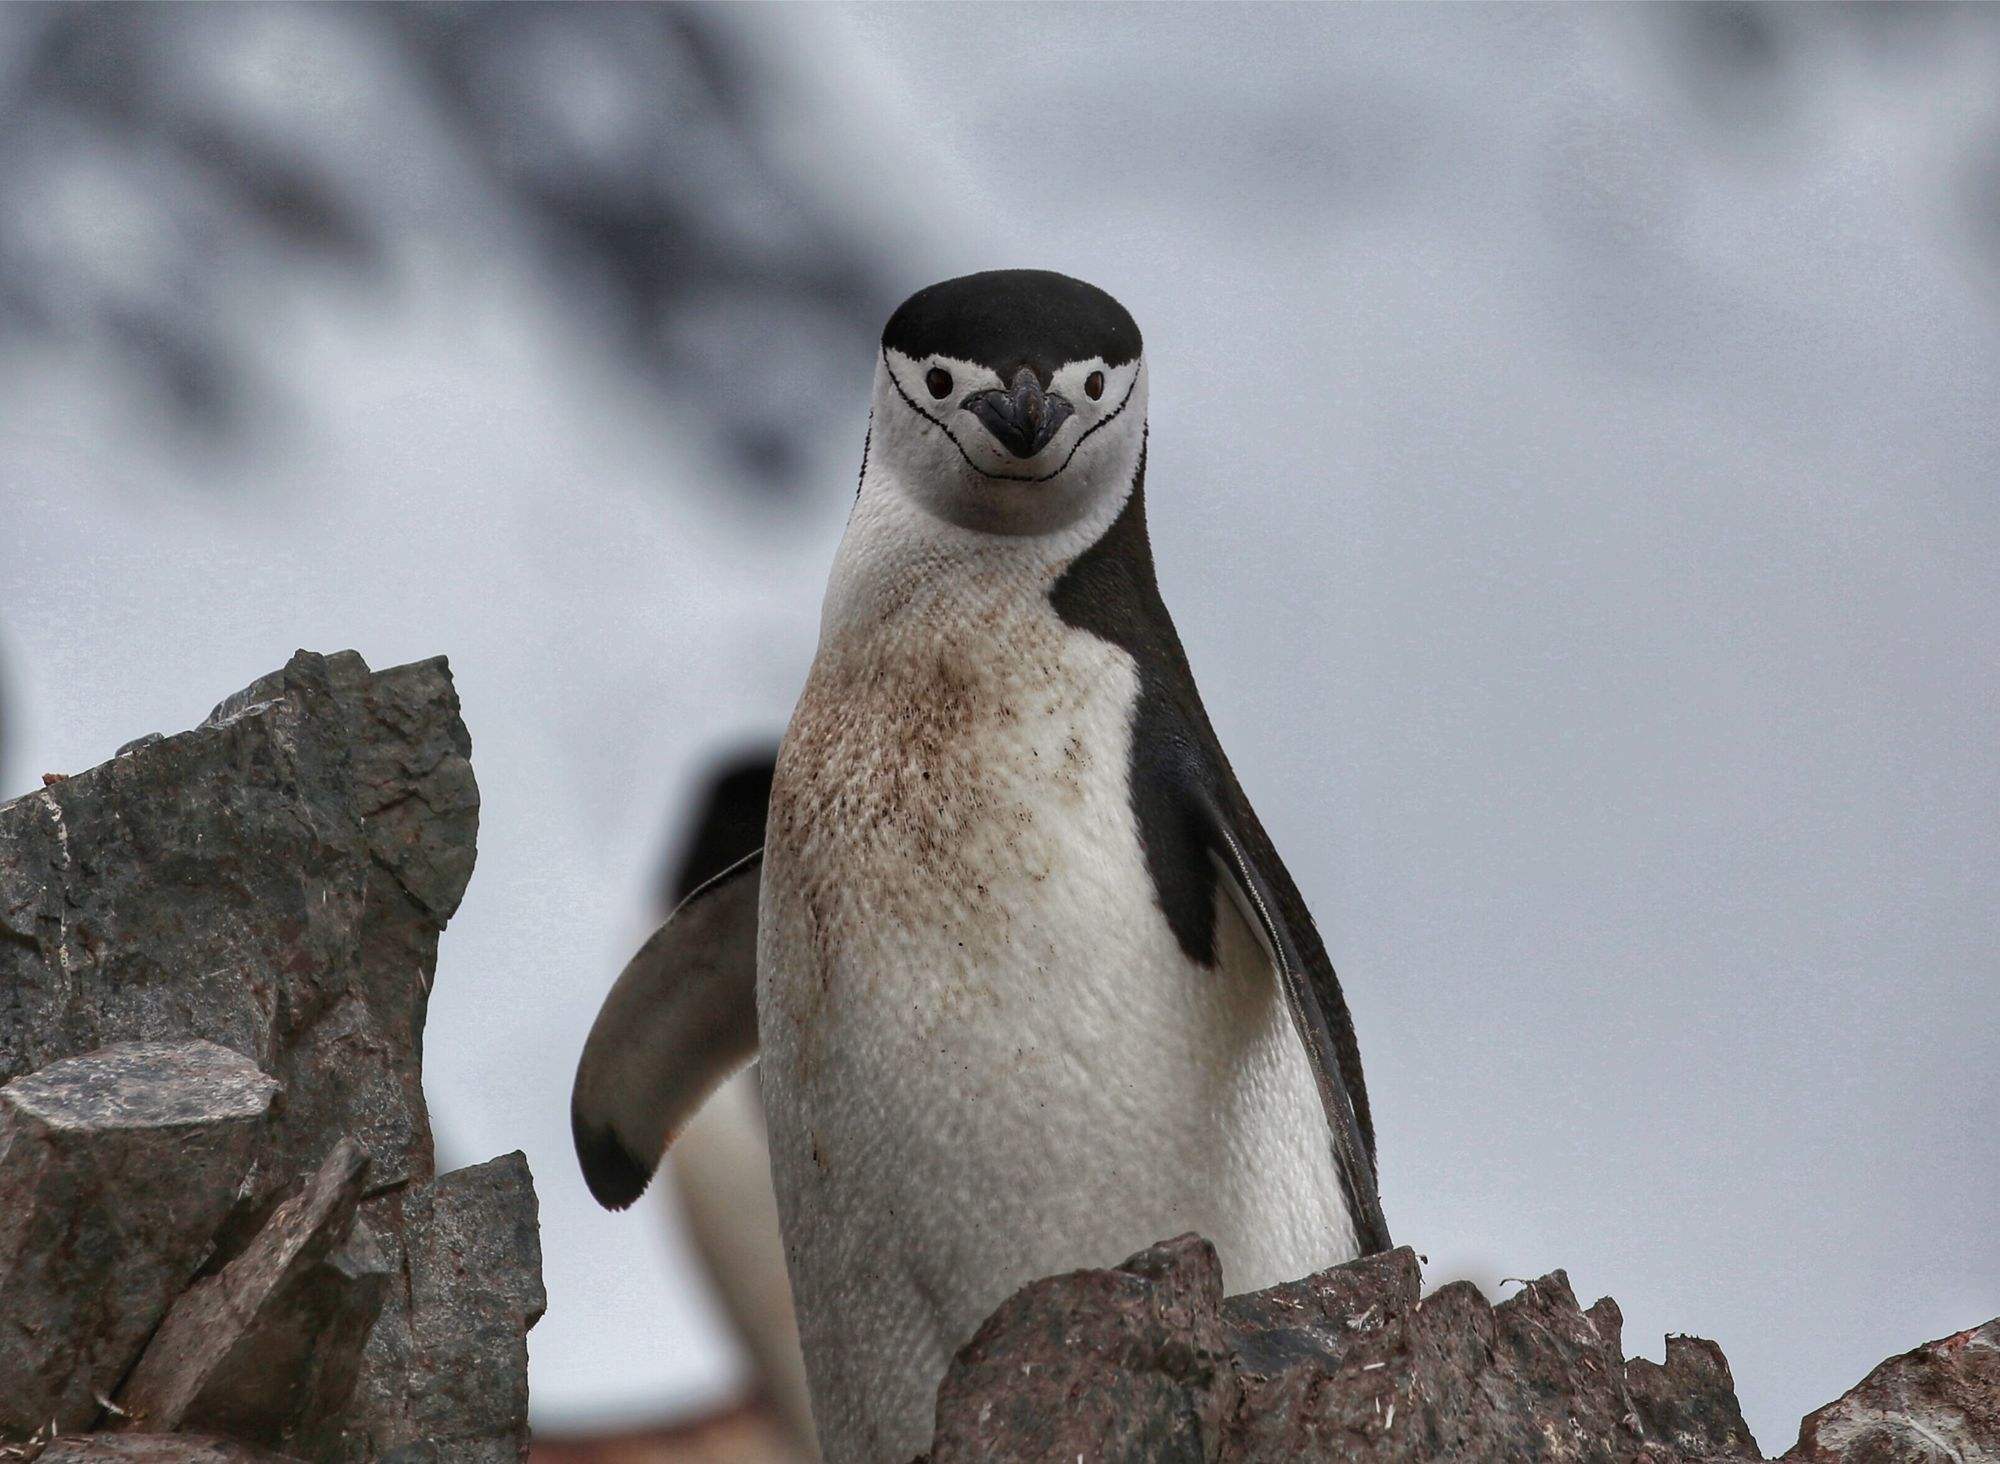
point(1255, 899)
point(681, 1017)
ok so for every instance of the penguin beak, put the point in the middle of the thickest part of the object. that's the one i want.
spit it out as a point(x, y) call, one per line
point(1022, 417)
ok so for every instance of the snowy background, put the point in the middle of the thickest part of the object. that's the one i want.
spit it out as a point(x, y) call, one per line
point(1573, 469)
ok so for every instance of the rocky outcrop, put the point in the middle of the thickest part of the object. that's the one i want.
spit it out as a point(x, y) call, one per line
point(449, 1365)
point(273, 1337)
point(116, 1170)
point(221, 1231)
point(1149, 1363)
point(1936, 1403)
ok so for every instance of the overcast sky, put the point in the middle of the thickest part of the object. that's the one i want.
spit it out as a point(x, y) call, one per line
point(1572, 468)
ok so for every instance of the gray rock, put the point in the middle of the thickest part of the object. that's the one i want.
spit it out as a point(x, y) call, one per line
point(1691, 1400)
point(270, 1343)
point(153, 1449)
point(116, 1170)
point(1936, 1404)
point(445, 1373)
point(275, 881)
point(267, 891)
point(408, 786)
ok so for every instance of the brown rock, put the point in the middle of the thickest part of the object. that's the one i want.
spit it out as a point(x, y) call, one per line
point(1350, 1364)
point(270, 1342)
point(1691, 1401)
point(1284, 1340)
point(1936, 1404)
point(1123, 1365)
point(116, 1169)
point(444, 1375)
point(475, 1290)
point(132, 1448)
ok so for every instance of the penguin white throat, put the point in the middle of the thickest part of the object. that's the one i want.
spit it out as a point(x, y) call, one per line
point(910, 562)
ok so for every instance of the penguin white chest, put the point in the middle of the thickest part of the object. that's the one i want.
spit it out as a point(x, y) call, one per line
point(985, 1056)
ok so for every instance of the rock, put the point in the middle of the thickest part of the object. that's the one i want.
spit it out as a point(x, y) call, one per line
point(274, 881)
point(1127, 1366)
point(478, 1222)
point(153, 1449)
point(446, 1368)
point(1691, 1401)
point(1936, 1404)
point(116, 1169)
point(270, 1342)
point(260, 899)
point(1147, 1362)
point(409, 789)
point(1355, 1360)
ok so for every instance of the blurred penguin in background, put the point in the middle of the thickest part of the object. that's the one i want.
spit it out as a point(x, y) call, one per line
point(722, 1163)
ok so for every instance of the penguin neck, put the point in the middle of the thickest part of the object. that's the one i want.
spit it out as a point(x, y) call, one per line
point(903, 575)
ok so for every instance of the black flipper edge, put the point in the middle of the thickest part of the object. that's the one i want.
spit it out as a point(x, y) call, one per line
point(1254, 898)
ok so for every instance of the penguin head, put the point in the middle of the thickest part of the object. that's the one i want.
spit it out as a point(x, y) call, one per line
point(1009, 402)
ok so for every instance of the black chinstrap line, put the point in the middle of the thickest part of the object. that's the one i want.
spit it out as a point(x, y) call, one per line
point(866, 442)
point(910, 402)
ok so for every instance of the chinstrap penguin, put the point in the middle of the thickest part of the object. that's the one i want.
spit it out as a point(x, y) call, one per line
point(1029, 986)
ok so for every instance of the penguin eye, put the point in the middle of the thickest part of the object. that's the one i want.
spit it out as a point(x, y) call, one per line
point(1093, 385)
point(939, 381)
